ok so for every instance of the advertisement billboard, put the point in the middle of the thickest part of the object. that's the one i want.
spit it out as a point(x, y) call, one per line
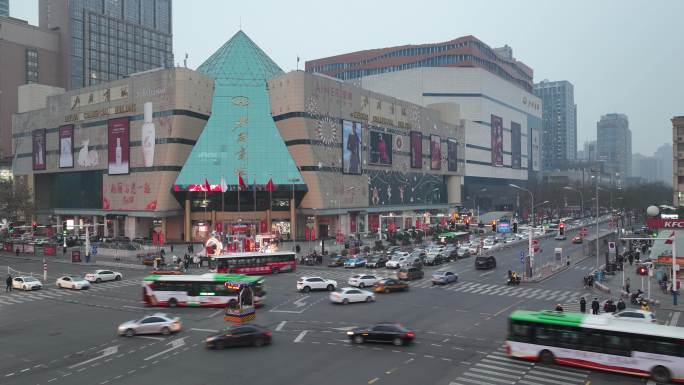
point(435, 152)
point(139, 191)
point(351, 147)
point(66, 146)
point(380, 148)
point(118, 154)
point(393, 188)
point(39, 149)
point(416, 149)
point(515, 145)
point(452, 154)
point(497, 141)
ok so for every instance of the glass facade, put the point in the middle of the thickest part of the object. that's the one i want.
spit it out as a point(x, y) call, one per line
point(114, 38)
point(69, 190)
point(240, 136)
point(31, 66)
point(4, 8)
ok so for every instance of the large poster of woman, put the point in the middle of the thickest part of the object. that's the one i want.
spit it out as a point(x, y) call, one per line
point(351, 147)
point(39, 149)
point(416, 149)
point(452, 152)
point(66, 146)
point(380, 148)
point(435, 153)
point(497, 141)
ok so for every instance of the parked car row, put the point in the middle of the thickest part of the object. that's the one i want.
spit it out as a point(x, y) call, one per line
point(29, 283)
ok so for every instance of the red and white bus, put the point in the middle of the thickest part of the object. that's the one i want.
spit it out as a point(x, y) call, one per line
point(254, 262)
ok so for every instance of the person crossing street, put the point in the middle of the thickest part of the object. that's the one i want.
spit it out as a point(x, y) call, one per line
point(8, 281)
point(583, 305)
point(595, 306)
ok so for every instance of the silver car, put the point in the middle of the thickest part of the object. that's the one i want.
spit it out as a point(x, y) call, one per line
point(158, 323)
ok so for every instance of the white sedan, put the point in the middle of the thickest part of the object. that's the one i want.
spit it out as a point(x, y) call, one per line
point(72, 282)
point(306, 284)
point(363, 280)
point(103, 275)
point(346, 295)
point(26, 283)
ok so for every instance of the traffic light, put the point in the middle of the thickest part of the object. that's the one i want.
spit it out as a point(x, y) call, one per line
point(34, 226)
point(515, 227)
point(561, 229)
point(11, 227)
point(642, 270)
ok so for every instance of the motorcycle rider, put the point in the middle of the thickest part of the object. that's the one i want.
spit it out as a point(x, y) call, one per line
point(621, 305)
point(559, 308)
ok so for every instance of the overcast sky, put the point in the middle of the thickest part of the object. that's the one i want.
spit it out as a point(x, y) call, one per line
point(622, 56)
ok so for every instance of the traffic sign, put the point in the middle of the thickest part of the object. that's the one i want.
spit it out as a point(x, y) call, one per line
point(522, 256)
point(93, 250)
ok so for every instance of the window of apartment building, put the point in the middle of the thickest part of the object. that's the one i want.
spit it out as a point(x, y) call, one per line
point(31, 66)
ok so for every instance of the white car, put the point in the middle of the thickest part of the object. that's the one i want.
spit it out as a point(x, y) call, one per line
point(634, 315)
point(26, 283)
point(346, 295)
point(395, 262)
point(72, 282)
point(363, 280)
point(306, 284)
point(103, 275)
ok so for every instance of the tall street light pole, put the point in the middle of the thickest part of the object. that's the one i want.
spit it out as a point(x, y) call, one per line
point(530, 248)
point(581, 199)
point(596, 179)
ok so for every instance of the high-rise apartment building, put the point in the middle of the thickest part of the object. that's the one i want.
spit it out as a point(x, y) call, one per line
point(559, 123)
point(4, 8)
point(614, 144)
point(664, 157)
point(678, 161)
point(28, 54)
point(104, 40)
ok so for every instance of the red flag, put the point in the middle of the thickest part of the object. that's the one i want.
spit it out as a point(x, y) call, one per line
point(207, 187)
point(307, 233)
point(241, 182)
point(269, 185)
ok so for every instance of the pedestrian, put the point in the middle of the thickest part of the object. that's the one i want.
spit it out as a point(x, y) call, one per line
point(174, 259)
point(583, 305)
point(8, 281)
point(196, 261)
point(631, 259)
point(595, 306)
point(171, 248)
point(627, 285)
point(155, 264)
point(621, 305)
point(162, 252)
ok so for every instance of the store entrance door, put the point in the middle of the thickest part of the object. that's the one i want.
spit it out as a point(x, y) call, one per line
point(323, 231)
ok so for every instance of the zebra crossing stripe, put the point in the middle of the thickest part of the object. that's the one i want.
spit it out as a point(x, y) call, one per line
point(487, 378)
point(532, 293)
point(492, 367)
point(546, 380)
point(504, 375)
point(509, 364)
point(566, 372)
point(522, 292)
point(471, 286)
point(479, 289)
point(460, 286)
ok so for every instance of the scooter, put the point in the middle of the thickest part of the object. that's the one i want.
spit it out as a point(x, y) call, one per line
point(513, 281)
point(637, 297)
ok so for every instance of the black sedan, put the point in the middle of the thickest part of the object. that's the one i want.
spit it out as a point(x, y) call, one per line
point(483, 262)
point(376, 261)
point(383, 332)
point(243, 335)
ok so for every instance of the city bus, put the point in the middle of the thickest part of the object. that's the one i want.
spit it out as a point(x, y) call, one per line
point(598, 342)
point(206, 290)
point(254, 262)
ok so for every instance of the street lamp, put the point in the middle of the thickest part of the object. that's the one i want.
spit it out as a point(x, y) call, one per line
point(597, 215)
point(581, 199)
point(531, 249)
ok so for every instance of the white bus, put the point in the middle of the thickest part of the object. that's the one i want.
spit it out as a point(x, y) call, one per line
point(597, 342)
point(206, 290)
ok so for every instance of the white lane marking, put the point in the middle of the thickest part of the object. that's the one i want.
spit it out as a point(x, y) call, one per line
point(556, 375)
point(175, 344)
point(298, 302)
point(580, 374)
point(280, 326)
point(301, 335)
point(205, 330)
point(675, 318)
point(105, 352)
point(151, 338)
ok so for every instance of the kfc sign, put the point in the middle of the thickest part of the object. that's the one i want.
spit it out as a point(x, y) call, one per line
point(668, 224)
point(658, 223)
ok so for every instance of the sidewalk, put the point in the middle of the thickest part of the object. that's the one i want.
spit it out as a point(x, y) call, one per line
point(66, 259)
point(663, 301)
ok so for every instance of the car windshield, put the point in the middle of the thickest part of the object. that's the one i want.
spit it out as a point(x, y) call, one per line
point(439, 273)
point(30, 279)
point(74, 278)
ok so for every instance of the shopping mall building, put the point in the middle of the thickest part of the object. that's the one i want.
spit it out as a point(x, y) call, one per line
point(237, 147)
point(492, 91)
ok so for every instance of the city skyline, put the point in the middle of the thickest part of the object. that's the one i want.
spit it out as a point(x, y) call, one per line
point(573, 56)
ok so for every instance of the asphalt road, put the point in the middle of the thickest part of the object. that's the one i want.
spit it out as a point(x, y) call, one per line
point(54, 336)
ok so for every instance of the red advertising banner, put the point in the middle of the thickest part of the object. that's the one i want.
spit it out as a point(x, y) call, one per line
point(39, 149)
point(352, 223)
point(435, 152)
point(416, 149)
point(66, 146)
point(118, 154)
point(49, 250)
point(76, 256)
point(29, 249)
point(7, 246)
point(497, 141)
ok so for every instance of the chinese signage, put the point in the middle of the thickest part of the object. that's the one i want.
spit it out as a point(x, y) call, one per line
point(106, 95)
point(125, 193)
point(497, 141)
point(100, 113)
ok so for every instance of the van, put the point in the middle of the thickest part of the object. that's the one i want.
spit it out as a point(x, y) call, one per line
point(410, 273)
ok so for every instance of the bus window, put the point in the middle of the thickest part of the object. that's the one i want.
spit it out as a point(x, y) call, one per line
point(545, 336)
point(520, 332)
point(617, 345)
point(569, 339)
point(666, 347)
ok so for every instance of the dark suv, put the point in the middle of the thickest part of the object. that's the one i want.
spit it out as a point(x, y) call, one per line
point(483, 262)
point(410, 273)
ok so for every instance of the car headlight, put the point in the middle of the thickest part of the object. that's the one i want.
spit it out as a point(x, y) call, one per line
point(210, 339)
point(350, 333)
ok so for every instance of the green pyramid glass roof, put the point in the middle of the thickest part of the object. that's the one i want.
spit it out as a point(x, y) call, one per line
point(240, 135)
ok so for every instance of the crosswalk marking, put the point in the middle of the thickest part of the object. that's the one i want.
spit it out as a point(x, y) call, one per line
point(496, 368)
point(51, 293)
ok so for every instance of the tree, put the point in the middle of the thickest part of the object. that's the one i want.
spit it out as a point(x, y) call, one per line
point(15, 201)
